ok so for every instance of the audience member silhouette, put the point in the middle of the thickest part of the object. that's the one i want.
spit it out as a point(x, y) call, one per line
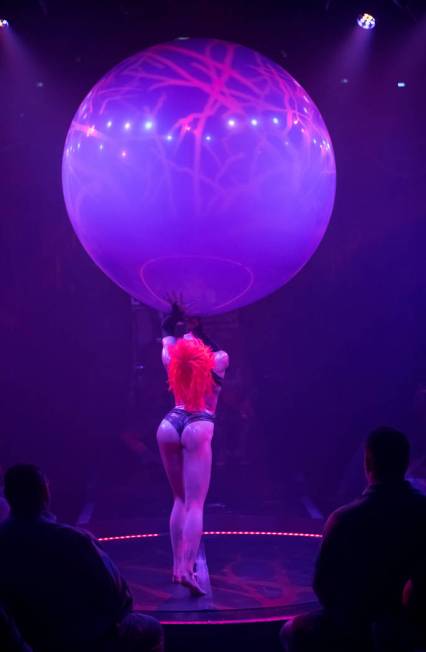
point(10, 638)
point(61, 589)
point(370, 548)
point(4, 507)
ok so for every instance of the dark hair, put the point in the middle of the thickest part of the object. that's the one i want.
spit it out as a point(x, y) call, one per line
point(26, 489)
point(388, 453)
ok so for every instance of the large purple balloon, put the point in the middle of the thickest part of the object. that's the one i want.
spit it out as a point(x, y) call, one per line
point(199, 167)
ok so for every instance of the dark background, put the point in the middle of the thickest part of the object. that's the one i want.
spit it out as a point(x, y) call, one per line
point(339, 350)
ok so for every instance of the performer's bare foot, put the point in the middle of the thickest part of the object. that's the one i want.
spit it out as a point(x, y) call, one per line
point(190, 581)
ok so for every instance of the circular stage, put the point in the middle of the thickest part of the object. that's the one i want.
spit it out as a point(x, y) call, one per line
point(248, 576)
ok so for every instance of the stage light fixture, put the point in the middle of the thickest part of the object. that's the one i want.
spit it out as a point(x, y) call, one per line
point(401, 84)
point(4, 22)
point(366, 21)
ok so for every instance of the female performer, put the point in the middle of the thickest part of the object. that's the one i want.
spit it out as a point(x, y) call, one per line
point(195, 370)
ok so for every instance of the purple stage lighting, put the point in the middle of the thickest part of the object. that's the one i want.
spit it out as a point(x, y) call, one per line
point(4, 23)
point(366, 21)
point(199, 167)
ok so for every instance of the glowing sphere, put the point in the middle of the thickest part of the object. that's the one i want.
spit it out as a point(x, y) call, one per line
point(199, 167)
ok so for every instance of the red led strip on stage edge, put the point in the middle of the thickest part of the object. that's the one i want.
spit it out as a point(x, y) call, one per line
point(305, 535)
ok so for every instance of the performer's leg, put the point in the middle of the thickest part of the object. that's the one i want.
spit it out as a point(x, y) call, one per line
point(171, 455)
point(197, 459)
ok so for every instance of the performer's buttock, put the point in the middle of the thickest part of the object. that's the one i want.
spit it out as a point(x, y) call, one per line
point(180, 418)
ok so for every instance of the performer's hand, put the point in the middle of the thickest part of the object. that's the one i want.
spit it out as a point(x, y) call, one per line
point(178, 308)
point(176, 315)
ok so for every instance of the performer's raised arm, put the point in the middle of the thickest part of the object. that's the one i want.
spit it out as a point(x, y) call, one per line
point(221, 358)
point(169, 327)
point(221, 362)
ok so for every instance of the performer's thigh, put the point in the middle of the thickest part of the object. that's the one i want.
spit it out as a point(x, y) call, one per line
point(171, 456)
point(197, 460)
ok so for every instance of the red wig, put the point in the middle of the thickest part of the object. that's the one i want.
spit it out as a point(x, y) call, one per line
point(189, 371)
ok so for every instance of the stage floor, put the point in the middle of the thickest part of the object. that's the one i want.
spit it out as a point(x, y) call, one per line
point(248, 577)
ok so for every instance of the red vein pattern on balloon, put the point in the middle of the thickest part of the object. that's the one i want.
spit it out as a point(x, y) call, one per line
point(224, 90)
point(188, 156)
